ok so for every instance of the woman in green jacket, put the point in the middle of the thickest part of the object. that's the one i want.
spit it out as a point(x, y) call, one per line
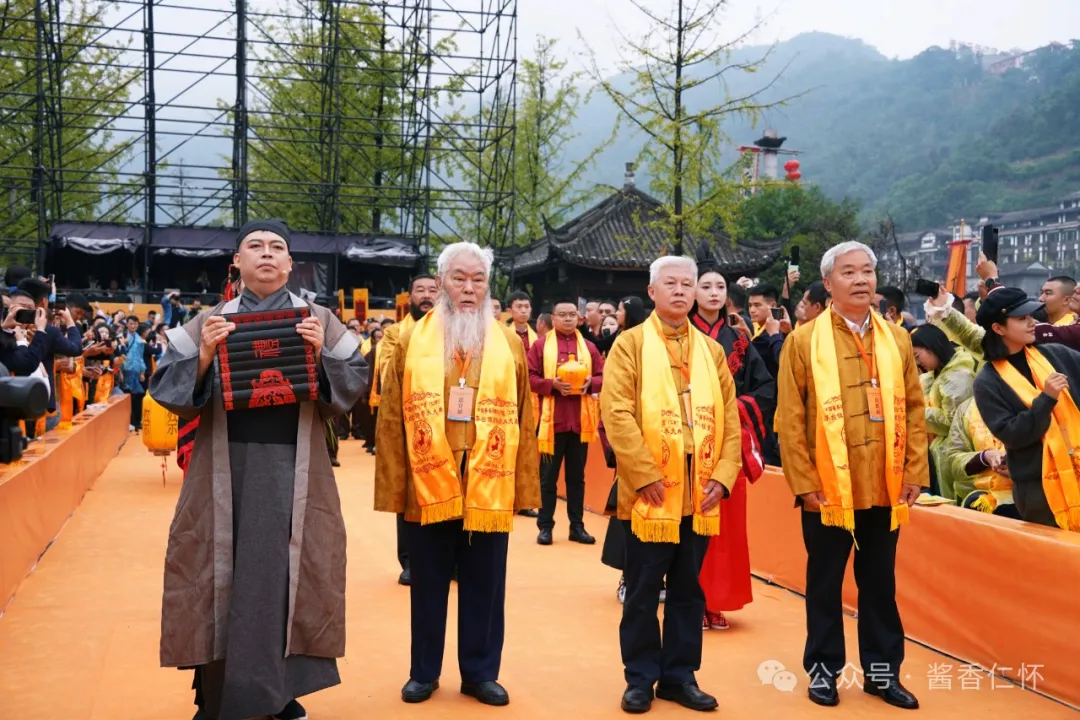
point(950, 381)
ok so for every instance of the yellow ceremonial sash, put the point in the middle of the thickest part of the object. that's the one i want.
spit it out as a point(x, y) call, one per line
point(663, 433)
point(69, 391)
point(531, 334)
point(1059, 463)
point(589, 412)
point(376, 374)
point(365, 346)
point(105, 383)
point(1067, 319)
point(996, 486)
point(758, 329)
point(488, 505)
point(831, 448)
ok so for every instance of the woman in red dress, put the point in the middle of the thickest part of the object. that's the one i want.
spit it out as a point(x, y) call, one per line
point(725, 574)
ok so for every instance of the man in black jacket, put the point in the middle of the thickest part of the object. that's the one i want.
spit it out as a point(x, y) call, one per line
point(34, 294)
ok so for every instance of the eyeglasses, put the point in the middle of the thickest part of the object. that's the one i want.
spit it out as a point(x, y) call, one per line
point(567, 315)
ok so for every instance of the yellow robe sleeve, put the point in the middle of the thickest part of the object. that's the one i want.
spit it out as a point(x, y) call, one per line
point(618, 409)
point(527, 467)
point(391, 462)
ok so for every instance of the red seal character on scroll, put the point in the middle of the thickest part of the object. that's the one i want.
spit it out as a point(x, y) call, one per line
point(271, 388)
point(496, 444)
point(422, 437)
point(707, 454)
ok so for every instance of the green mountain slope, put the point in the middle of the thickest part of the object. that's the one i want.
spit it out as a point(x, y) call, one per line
point(926, 139)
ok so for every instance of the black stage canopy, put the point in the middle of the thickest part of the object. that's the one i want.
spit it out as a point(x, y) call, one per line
point(100, 238)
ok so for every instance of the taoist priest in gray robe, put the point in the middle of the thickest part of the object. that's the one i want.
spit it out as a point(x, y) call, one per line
point(254, 596)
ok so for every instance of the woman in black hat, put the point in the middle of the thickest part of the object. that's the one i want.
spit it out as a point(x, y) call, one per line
point(1023, 394)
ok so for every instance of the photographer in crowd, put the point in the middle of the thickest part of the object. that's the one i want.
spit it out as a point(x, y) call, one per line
point(33, 295)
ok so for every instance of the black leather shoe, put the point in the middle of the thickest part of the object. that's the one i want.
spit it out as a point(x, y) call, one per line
point(578, 535)
point(334, 462)
point(636, 699)
point(544, 537)
point(405, 578)
point(892, 692)
point(822, 691)
point(689, 695)
point(418, 692)
point(528, 513)
point(488, 692)
point(292, 711)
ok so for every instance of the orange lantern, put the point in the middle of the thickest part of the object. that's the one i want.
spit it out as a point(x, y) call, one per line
point(574, 373)
point(159, 427)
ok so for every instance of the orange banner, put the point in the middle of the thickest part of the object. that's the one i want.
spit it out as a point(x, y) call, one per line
point(360, 304)
point(956, 276)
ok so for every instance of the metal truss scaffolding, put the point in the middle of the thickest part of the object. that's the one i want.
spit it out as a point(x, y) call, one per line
point(345, 117)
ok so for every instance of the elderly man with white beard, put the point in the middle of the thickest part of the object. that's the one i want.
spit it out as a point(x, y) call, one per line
point(458, 456)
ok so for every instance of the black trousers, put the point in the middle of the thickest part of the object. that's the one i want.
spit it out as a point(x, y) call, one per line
point(402, 544)
point(351, 421)
point(136, 409)
point(568, 448)
point(613, 553)
point(675, 658)
point(881, 634)
point(1031, 504)
point(481, 563)
point(371, 421)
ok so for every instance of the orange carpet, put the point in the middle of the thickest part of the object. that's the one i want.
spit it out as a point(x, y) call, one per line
point(79, 641)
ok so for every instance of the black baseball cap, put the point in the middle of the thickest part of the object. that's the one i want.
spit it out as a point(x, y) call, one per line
point(1005, 303)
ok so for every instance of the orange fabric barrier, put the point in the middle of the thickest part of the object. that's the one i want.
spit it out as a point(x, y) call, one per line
point(39, 493)
point(988, 590)
point(598, 479)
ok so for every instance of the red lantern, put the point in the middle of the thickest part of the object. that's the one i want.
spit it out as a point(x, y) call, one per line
point(792, 167)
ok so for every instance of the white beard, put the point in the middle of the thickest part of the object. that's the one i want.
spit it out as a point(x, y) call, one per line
point(463, 330)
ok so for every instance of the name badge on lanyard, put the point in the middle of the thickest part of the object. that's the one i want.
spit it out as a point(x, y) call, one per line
point(459, 407)
point(875, 407)
point(461, 401)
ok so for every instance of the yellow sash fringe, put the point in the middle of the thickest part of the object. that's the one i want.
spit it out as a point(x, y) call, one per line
point(590, 414)
point(1059, 464)
point(831, 448)
point(376, 376)
point(663, 433)
point(488, 502)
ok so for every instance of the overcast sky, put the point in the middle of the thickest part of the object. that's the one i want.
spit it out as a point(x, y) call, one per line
point(897, 28)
